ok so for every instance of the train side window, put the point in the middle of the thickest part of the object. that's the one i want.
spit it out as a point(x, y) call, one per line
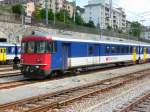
point(107, 49)
point(113, 49)
point(122, 49)
point(131, 49)
point(118, 49)
point(9, 50)
point(1, 50)
point(90, 50)
point(127, 49)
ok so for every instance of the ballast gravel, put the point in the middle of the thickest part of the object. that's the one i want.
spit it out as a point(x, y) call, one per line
point(27, 91)
point(112, 100)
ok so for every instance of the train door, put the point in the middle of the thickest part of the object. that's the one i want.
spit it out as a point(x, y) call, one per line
point(66, 52)
point(145, 55)
point(134, 54)
point(2, 54)
point(96, 57)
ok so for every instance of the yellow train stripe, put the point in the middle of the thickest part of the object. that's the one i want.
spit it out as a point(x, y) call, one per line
point(134, 55)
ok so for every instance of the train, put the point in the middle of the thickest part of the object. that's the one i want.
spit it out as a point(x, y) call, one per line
point(8, 52)
point(45, 55)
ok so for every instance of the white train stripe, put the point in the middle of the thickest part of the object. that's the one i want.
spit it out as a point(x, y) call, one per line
point(80, 61)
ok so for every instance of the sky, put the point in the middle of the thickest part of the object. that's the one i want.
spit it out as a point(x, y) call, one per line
point(136, 10)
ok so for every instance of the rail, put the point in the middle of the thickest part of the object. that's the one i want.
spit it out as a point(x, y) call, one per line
point(60, 98)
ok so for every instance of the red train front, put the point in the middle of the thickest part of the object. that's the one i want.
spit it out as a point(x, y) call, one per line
point(36, 56)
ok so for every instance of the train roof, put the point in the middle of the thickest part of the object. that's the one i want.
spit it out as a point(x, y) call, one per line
point(94, 41)
point(61, 38)
point(8, 44)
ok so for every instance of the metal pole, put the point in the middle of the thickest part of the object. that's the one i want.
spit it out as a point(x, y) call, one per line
point(55, 12)
point(74, 17)
point(22, 15)
point(110, 13)
point(64, 16)
point(46, 11)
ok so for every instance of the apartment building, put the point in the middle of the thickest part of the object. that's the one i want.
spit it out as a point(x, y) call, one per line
point(29, 8)
point(145, 34)
point(57, 5)
point(101, 13)
point(13, 2)
point(70, 7)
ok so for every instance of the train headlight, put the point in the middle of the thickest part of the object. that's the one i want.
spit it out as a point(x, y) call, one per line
point(37, 67)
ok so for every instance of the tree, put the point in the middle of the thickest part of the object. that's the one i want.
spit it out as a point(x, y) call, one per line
point(36, 13)
point(41, 14)
point(79, 20)
point(109, 28)
point(63, 16)
point(90, 24)
point(135, 29)
point(17, 9)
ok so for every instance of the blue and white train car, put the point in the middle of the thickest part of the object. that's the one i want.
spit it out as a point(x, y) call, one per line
point(50, 54)
point(9, 51)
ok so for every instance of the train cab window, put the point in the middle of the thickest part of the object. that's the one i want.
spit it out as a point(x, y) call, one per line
point(31, 47)
point(107, 49)
point(41, 47)
point(90, 50)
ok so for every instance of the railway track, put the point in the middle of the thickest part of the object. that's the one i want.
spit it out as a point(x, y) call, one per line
point(4, 66)
point(60, 98)
point(139, 104)
point(13, 84)
point(22, 82)
point(9, 74)
point(17, 83)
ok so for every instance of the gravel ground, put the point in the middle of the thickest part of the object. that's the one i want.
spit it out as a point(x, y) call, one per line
point(110, 100)
point(11, 79)
point(18, 93)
